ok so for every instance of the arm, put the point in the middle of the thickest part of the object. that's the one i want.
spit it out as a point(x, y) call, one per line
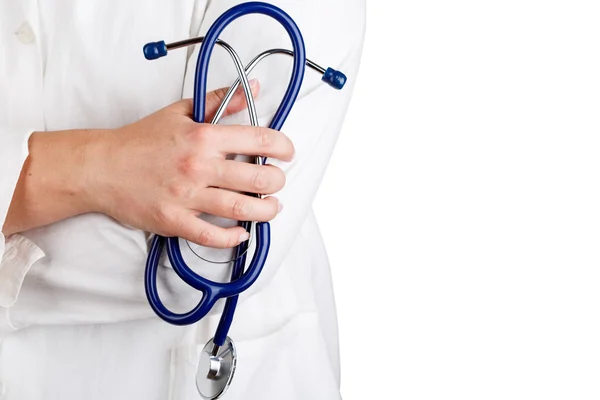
point(74, 172)
point(67, 173)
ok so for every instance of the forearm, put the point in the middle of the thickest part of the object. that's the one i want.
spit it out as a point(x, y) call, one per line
point(53, 180)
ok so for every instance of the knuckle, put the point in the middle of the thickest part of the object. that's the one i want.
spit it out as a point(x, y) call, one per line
point(231, 242)
point(191, 165)
point(177, 225)
point(220, 94)
point(260, 182)
point(164, 216)
point(179, 191)
point(264, 138)
point(201, 135)
point(214, 99)
point(205, 237)
point(240, 210)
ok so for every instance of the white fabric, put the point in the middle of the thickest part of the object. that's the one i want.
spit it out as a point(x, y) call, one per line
point(74, 320)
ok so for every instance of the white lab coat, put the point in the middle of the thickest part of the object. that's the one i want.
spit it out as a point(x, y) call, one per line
point(74, 319)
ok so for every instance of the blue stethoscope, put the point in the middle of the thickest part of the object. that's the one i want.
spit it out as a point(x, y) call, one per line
point(218, 359)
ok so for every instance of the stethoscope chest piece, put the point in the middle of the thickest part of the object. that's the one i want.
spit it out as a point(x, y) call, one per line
point(215, 369)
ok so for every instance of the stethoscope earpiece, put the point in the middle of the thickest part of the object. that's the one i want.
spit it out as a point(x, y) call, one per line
point(155, 50)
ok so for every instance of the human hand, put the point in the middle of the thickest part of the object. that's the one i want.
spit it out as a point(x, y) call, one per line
point(160, 173)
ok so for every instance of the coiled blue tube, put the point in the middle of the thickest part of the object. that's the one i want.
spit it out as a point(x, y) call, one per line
point(213, 291)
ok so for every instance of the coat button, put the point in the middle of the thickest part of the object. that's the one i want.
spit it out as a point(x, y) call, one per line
point(25, 33)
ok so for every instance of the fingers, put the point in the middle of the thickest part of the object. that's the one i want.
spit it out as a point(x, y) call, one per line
point(214, 99)
point(246, 177)
point(252, 141)
point(237, 103)
point(203, 233)
point(240, 207)
point(228, 205)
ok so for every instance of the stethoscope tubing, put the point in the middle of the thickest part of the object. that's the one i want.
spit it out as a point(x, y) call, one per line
point(240, 280)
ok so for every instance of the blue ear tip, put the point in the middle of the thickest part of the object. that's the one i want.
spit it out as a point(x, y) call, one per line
point(335, 79)
point(154, 50)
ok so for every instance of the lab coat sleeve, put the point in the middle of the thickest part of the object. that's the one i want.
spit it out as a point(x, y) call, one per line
point(17, 253)
point(333, 32)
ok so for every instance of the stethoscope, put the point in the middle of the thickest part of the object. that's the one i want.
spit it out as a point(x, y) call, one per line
point(217, 362)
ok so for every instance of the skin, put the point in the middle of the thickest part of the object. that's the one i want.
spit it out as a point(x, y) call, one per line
point(156, 174)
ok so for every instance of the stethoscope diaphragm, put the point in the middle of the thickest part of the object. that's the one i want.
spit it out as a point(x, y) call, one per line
point(215, 369)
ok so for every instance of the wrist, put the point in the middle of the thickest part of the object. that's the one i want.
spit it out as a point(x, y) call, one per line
point(94, 151)
point(64, 165)
point(58, 180)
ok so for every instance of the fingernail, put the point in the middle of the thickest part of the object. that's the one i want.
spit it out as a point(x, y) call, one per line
point(280, 208)
point(253, 83)
point(244, 236)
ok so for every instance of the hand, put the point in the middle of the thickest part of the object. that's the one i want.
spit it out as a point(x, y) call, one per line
point(160, 173)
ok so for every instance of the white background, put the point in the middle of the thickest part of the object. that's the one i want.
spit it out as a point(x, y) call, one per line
point(461, 208)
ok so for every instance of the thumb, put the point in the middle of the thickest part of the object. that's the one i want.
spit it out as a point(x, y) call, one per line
point(237, 103)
